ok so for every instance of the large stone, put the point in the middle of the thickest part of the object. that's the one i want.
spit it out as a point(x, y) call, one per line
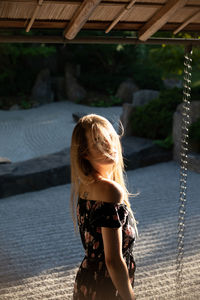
point(54, 169)
point(74, 91)
point(58, 84)
point(77, 116)
point(15, 107)
point(143, 97)
point(35, 174)
point(125, 91)
point(194, 162)
point(42, 90)
point(170, 83)
point(5, 160)
point(141, 152)
point(177, 121)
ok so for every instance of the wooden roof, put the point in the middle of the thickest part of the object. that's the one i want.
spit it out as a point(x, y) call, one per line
point(145, 17)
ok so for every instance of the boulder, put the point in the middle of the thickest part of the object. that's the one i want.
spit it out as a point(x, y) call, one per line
point(194, 162)
point(15, 107)
point(170, 83)
point(77, 115)
point(5, 160)
point(54, 169)
point(177, 121)
point(58, 84)
point(125, 90)
point(73, 90)
point(42, 91)
point(142, 97)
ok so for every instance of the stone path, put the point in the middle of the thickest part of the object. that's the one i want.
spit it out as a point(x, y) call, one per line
point(40, 253)
point(30, 133)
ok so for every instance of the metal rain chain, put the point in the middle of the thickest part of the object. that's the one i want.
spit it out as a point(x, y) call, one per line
point(183, 169)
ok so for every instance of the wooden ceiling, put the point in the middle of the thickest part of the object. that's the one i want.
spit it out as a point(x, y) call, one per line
point(145, 17)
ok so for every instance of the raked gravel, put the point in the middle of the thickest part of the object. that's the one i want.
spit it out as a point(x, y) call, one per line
point(40, 253)
point(26, 134)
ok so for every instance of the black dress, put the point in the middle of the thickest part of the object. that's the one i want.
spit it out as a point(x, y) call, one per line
point(92, 280)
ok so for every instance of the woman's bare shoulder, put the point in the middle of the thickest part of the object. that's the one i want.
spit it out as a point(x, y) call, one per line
point(110, 191)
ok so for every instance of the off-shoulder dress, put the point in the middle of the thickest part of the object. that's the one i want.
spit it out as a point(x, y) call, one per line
point(92, 279)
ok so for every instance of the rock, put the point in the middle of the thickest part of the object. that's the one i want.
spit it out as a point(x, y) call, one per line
point(35, 104)
point(170, 83)
point(125, 91)
point(176, 132)
point(58, 84)
point(142, 97)
point(42, 91)
point(5, 160)
point(127, 110)
point(54, 169)
point(35, 174)
point(15, 107)
point(194, 162)
point(76, 116)
point(141, 152)
point(74, 91)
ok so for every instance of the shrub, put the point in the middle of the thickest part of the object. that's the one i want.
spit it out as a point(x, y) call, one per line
point(148, 76)
point(154, 119)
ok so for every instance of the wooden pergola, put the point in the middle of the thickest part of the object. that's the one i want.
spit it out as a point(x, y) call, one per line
point(144, 17)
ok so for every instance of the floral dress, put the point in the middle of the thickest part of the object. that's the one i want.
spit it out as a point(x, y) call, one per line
point(92, 280)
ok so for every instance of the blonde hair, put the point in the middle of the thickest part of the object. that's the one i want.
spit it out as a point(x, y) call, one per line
point(106, 140)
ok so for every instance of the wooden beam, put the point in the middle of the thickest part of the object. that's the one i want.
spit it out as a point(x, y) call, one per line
point(188, 21)
point(122, 13)
point(96, 40)
point(91, 25)
point(81, 16)
point(160, 18)
point(34, 15)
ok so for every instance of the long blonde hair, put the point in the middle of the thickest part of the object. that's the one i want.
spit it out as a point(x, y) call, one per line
point(102, 133)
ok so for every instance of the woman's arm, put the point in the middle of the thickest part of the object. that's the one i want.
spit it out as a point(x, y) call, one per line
point(112, 240)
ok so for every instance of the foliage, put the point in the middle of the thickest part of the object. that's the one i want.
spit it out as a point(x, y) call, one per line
point(165, 57)
point(111, 101)
point(106, 66)
point(166, 143)
point(17, 68)
point(154, 119)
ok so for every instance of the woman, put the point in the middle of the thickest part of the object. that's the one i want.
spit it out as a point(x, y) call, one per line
point(106, 223)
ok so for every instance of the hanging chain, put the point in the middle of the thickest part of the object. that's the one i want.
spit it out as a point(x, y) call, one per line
point(183, 169)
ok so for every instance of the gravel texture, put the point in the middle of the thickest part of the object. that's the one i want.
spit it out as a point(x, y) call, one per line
point(30, 133)
point(40, 253)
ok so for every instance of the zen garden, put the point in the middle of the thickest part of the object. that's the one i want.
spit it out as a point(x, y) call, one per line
point(136, 63)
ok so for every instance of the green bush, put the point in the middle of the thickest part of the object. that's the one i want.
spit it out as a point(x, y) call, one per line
point(154, 119)
point(166, 143)
point(16, 76)
point(111, 101)
point(148, 76)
